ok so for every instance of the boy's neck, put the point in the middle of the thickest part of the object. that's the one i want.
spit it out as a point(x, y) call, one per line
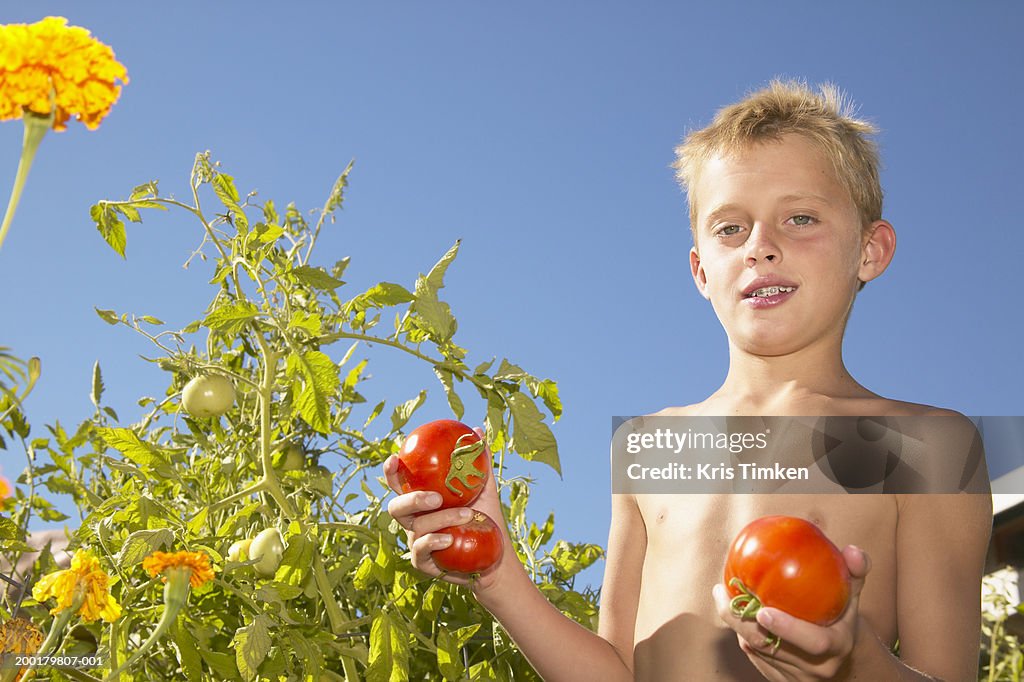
point(778, 384)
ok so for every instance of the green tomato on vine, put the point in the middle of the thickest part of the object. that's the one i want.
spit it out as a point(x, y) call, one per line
point(208, 395)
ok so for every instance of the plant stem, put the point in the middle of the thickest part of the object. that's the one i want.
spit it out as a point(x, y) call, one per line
point(175, 597)
point(35, 129)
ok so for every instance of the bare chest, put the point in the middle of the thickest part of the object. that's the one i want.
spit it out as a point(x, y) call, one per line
point(688, 537)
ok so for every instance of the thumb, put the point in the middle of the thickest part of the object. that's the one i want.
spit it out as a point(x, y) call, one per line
point(859, 564)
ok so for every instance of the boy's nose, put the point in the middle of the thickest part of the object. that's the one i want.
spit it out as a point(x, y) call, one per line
point(761, 246)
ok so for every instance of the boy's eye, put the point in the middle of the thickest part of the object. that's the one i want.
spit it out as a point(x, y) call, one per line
point(728, 230)
point(803, 220)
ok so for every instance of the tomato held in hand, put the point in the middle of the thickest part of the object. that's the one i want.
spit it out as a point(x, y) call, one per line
point(789, 564)
point(476, 546)
point(208, 395)
point(444, 456)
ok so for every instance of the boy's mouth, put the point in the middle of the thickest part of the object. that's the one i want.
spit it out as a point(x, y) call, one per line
point(768, 292)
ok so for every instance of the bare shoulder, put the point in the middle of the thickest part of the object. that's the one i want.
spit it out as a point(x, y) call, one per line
point(887, 407)
point(681, 411)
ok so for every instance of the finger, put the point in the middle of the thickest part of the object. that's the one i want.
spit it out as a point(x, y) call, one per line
point(391, 473)
point(857, 562)
point(422, 548)
point(445, 518)
point(809, 638)
point(405, 508)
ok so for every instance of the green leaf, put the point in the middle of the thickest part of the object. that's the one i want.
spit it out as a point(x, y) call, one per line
point(569, 559)
point(310, 322)
point(252, 644)
point(389, 650)
point(454, 401)
point(145, 191)
point(220, 662)
point(509, 372)
point(319, 381)
point(110, 226)
point(402, 413)
point(267, 233)
point(129, 212)
point(108, 316)
point(191, 661)
point(129, 444)
point(547, 390)
point(379, 296)
point(430, 314)
point(337, 195)
point(449, 660)
point(224, 188)
point(97, 385)
point(316, 277)
point(296, 561)
point(141, 544)
point(378, 408)
point(531, 437)
point(232, 317)
point(9, 530)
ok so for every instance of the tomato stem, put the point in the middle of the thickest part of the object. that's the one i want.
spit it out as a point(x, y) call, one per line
point(745, 605)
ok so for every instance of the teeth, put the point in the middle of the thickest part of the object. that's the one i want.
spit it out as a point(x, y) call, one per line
point(771, 291)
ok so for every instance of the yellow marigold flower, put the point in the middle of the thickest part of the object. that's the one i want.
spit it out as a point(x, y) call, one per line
point(5, 489)
point(50, 66)
point(84, 586)
point(197, 563)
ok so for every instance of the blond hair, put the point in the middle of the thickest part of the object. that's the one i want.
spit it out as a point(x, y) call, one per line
point(824, 118)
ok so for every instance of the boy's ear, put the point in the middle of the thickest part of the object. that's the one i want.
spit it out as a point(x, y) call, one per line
point(877, 250)
point(697, 270)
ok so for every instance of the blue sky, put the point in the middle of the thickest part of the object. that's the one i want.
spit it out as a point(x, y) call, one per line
point(541, 135)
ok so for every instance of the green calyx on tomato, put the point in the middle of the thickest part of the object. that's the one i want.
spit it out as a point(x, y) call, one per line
point(266, 549)
point(789, 564)
point(476, 546)
point(208, 395)
point(464, 463)
point(447, 457)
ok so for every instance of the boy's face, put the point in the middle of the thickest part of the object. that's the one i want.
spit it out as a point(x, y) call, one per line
point(776, 216)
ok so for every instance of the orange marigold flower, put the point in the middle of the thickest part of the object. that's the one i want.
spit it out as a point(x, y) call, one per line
point(84, 586)
point(198, 563)
point(50, 66)
point(5, 489)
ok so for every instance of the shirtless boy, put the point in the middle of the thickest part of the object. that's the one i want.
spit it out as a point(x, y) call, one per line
point(784, 191)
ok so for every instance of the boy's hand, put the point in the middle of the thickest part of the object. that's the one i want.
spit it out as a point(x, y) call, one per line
point(808, 651)
point(413, 512)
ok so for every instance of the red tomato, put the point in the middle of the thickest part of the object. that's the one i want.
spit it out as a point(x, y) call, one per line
point(789, 564)
point(429, 460)
point(476, 546)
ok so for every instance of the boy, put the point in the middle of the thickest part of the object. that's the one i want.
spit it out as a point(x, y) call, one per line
point(785, 209)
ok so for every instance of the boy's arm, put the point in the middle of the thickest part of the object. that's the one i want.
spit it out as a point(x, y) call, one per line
point(559, 648)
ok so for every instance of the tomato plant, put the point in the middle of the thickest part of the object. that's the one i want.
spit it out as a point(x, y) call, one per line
point(208, 395)
point(339, 598)
point(789, 564)
point(476, 546)
point(444, 456)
